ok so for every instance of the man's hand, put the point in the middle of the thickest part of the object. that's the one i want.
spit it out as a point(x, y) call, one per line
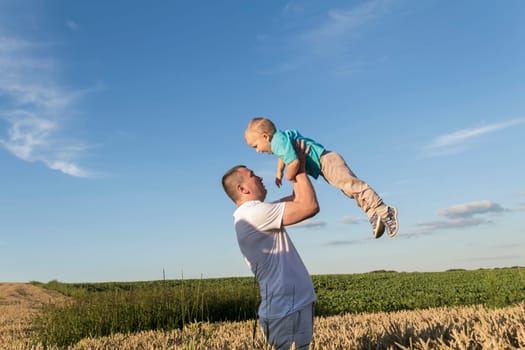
point(301, 154)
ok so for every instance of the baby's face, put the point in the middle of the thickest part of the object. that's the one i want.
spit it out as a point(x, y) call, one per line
point(261, 142)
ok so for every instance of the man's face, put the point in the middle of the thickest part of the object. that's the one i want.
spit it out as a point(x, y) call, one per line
point(253, 184)
point(261, 142)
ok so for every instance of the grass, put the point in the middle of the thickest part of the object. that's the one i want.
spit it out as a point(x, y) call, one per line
point(102, 309)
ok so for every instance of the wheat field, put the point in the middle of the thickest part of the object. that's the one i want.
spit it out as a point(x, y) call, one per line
point(444, 328)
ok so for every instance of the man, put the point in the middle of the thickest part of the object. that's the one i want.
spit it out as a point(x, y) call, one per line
point(287, 293)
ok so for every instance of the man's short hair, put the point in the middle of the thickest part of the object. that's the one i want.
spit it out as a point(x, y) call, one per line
point(230, 180)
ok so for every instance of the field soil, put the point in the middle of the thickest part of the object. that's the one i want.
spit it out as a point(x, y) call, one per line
point(19, 302)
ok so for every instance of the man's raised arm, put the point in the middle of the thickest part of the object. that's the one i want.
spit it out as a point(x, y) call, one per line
point(303, 204)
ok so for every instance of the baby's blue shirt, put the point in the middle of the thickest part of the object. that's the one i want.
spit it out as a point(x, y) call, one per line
point(283, 147)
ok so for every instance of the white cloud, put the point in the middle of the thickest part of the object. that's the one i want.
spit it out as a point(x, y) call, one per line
point(312, 33)
point(35, 107)
point(293, 7)
point(72, 24)
point(430, 226)
point(453, 142)
point(67, 168)
point(493, 258)
point(26, 133)
point(457, 216)
point(352, 220)
point(310, 223)
point(348, 242)
point(340, 23)
point(507, 246)
point(521, 205)
point(470, 209)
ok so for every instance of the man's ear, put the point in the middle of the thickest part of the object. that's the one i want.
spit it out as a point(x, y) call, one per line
point(241, 189)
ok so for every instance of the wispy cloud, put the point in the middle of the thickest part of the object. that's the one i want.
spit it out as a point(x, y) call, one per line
point(340, 24)
point(320, 35)
point(493, 258)
point(507, 246)
point(521, 205)
point(310, 223)
point(454, 142)
point(469, 209)
point(348, 242)
point(427, 227)
point(35, 107)
point(352, 220)
point(71, 24)
point(458, 216)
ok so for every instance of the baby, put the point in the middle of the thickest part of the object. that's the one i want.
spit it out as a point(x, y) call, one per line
point(262, 135)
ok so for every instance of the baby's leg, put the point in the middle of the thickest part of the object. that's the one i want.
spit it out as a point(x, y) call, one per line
point(338, 174)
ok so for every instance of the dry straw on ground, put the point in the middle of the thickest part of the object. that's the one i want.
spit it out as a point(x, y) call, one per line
point(446, 328)
point(19, 303)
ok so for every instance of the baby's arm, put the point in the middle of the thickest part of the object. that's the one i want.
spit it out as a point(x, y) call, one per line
point(280, 171)
point(293, 169)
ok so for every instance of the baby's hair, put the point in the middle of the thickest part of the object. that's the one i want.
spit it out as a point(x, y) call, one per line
point(262, 126)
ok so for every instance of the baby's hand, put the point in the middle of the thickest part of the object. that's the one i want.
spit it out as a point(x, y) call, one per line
point(278, 181)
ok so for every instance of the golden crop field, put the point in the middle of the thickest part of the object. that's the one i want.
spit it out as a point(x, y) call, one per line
point(443, 328)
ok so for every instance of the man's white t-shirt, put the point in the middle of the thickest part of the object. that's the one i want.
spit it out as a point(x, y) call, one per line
point(284, 281)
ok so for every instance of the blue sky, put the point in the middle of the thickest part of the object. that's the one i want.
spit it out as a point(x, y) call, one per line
point(118, 120)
